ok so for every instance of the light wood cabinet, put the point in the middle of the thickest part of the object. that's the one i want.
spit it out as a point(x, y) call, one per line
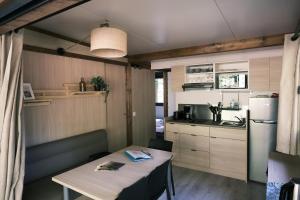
point(229, 133)
point(265, 73)
point(177, 78)
point(194, 129)
point(259, 75)
point(228, 155)
point(275, 73)
point(194, 157)
point(194, 142)
point(212, 149)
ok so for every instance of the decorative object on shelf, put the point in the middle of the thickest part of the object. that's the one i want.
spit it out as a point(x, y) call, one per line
point(234, 104)
point(108, 42)
point(28, 92)
point(99, 83)
point(216, 111)
point(82, 85)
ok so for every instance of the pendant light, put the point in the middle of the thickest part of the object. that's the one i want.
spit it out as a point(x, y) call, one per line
point(108, 42)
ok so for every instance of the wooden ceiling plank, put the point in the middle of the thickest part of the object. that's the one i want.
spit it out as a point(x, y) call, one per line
point(46, 10)
point(258, 42)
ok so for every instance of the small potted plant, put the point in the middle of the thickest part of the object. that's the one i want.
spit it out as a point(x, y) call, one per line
point(99, 83)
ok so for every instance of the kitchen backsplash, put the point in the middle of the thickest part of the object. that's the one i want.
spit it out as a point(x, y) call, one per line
point(213, 97)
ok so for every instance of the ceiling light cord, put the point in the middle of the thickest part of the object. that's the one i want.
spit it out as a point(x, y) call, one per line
point(224, 18)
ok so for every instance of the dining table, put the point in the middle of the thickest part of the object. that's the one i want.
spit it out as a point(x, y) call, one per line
point(108, 184)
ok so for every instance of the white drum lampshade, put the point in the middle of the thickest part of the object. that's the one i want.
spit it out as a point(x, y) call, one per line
point(108, 42)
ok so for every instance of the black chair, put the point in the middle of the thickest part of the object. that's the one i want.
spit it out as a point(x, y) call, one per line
point(158, 182)
point(138, 190)
point(163, 145)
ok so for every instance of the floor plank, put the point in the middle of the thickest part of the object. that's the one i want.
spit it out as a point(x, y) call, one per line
point(196, 185)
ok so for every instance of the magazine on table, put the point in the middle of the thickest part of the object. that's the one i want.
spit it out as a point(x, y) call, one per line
point(136, 155)
point(110, 165)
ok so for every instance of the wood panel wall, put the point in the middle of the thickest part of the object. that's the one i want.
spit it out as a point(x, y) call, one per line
point(63, 117)
point(72, 116)
point(143, 104)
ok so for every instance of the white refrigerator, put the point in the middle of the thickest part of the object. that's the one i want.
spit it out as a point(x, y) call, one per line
point(263, 128)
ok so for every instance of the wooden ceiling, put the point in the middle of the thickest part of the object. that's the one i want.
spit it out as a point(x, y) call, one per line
point(156, 25)
point(43, 11)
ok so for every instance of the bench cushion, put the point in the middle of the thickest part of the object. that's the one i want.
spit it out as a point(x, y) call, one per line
point(50, 158)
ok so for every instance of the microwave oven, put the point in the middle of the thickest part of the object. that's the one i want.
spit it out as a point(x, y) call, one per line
point(232, 80)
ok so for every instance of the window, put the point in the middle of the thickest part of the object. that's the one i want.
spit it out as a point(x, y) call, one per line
point(159, 88)
point(159, 91)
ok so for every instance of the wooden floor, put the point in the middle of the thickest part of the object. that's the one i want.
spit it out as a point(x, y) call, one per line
point(196, 185)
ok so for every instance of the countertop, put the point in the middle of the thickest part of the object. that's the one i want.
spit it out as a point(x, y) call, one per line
point(204, 123)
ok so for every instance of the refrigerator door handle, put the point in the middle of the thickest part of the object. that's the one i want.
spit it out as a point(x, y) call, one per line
point(264, 121)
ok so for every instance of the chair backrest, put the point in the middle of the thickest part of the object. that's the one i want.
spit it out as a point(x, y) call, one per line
point(53, 157)
point(157, 182)
point(137, 191)
point(160, 144)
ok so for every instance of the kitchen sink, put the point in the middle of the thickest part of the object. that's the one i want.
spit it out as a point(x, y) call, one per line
point(232, 123)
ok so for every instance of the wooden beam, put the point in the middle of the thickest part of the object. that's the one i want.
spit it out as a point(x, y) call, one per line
point(129, 105)
point(258, 42)
point(59, 36)
point(44, 11)
point(73, 55)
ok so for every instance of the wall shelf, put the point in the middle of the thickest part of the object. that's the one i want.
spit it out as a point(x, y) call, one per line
point(37, 102)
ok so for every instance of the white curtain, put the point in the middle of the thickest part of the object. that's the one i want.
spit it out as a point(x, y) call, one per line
point(12, 145)
point(288, 130)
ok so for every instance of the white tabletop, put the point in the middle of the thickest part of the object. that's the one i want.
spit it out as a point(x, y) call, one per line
point(106, 185)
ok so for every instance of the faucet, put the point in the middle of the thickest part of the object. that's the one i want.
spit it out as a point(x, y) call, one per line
point(240, 120)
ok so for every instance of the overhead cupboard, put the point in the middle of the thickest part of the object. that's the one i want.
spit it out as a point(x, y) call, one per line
point(257, 74)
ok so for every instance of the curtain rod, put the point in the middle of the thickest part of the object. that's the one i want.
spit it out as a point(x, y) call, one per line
point(297, 32)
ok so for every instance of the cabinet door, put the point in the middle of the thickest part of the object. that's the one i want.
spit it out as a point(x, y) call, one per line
point(194, 142)
point(228, 155)
point(259, 74)
point(116, 108)
point(174, 137)
point(177, 78)
point(275, 73)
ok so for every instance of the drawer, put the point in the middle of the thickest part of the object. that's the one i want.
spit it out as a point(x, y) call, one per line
point(173, 127)
point(194, 129)
point(228, 155)
point(194, 157)
point(230, 133)
point(196, 142)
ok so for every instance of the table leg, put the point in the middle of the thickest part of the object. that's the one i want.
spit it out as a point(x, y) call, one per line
point(66, 193)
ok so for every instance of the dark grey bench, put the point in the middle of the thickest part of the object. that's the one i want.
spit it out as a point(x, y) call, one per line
point(46, 160)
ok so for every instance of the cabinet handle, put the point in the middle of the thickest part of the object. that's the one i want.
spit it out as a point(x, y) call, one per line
point(193, 135)
point(193, 150)
point(192, 125)
point(175, 132)
point(171, 123)
point(212, 137)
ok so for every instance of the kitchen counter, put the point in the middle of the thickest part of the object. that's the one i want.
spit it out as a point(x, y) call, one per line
point(204, 123)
